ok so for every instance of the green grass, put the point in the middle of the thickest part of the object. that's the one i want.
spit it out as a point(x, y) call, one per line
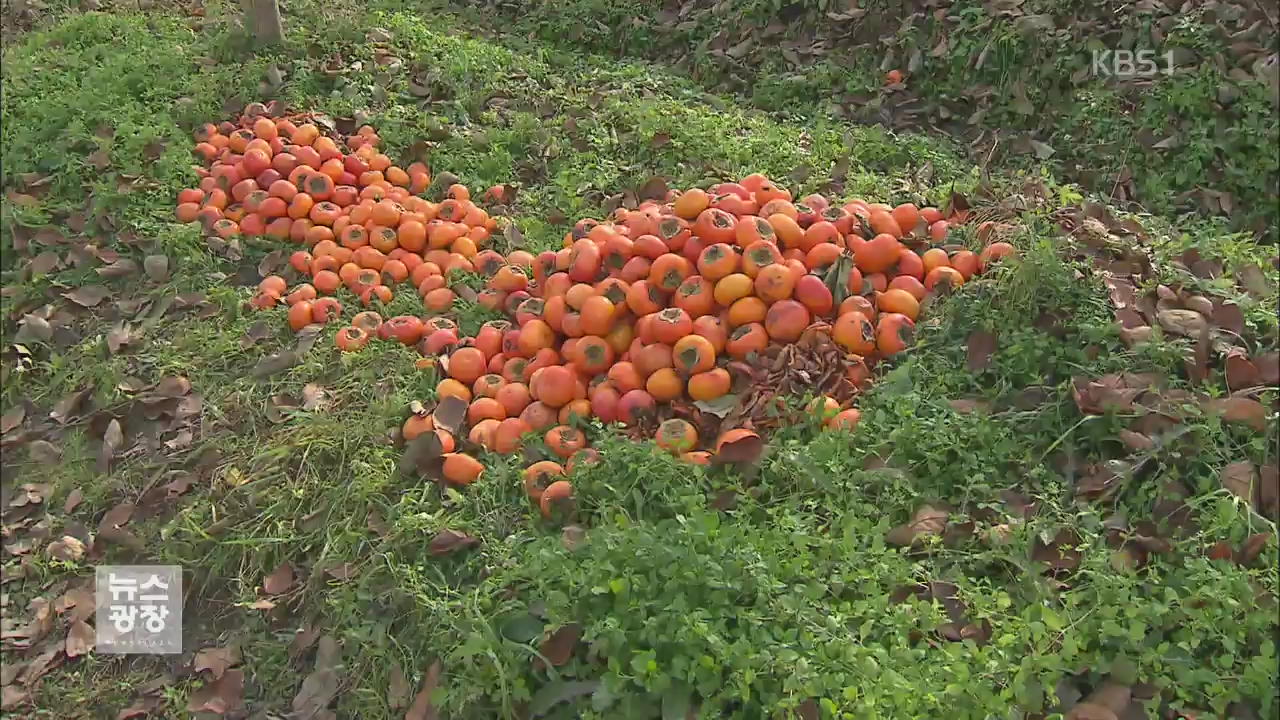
point(785, 599)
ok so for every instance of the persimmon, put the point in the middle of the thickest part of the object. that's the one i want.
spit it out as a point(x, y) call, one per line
point(759, 255)
point(565, 441)
point(671, 325)
point(325, 310)
point(300, 315)
point(747, 310)
point(746, 339)
point(693, 354)
point(466, 365)
point(775, 282)
point(552, 386)
point(305, 291)
point(583, 458)
point(786, 319)
point(593, 355)
point(945, 275)
point(416, 425)
point(993, 253)
point(676, 436)
point(893, 333)
point(732, 287)
point(351, 339)
point(899, 301)
point(576, 411)
point(653, 357)
point(514, 396)
point(854, 332)
point(712, 328)
point(598, 314)
point(691, 204)
point(482, 433)
point(557, 500)
point(488, 385)
point(966, 263)
point(539, 415)
point(787, 230)
point(450, 387)
point(669, 271)
point(625, 377)
point(483, 408)
point(877, 254)
point(814, 294)
point(634, 406)
point(710, 385)
point(845, 419)
point(715, 226)
point(538, 476)
point(461, 469)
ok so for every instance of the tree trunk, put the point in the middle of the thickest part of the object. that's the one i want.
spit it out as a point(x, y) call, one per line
point(262, 20)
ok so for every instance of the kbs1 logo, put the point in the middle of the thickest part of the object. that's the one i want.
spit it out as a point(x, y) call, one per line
point(1126, 64)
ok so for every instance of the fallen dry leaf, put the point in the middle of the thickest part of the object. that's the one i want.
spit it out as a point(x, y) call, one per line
point(321, 686)
point(422, 709)
point(557, 648)
point(217, 660)
point(80, 639)
point(1241, 479)
point(279, 581)
point(68, 548)
point(222, 696)
point(397, 688)
point(88, 296)
point(449, 541)
point(1240, 411)
point(981, 346)
point(927, 521)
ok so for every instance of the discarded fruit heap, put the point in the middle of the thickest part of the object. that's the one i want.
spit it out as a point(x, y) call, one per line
point(652, 318)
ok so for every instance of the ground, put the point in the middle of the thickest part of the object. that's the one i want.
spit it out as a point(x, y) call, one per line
point(1037, 514)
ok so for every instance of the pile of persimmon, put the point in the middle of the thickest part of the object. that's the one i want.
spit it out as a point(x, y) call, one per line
point(654, 304)
point(361, 217)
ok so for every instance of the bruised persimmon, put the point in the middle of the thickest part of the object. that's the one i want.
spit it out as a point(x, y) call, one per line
point(557, 500)
point(538, 476)
point(676, 436)
point(565, 441)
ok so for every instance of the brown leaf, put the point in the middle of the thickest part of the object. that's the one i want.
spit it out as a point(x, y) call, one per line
point(1240, 410)
point(1269, 491)
point(1187, 323)
point(450, 414)
point(74, 498)
point(449, 541)
point(966, 406)
point(217, 660)
point(302, 641)
point(1060, 553)
point(275, 363)
point(558, 647)
point(68, 548)
point(88, 296)
point(397, 688)
point(655, 188)
point(117, 516)
point(1239, 369)
point(1241, 479)
point(1252, 547)
point(256, 333)
point(1268, 365)
point(279, 581)
point(13, 696)
point(927, 521)
point(123, 267)
point(80, 639)
point(120, 336)
point(70, 406)
point(313, 397)
point(319, 688)
point(12, 418)
point(222, 696)
point(343, 572)
point(981, 346)
point(111, 441)
point(422, 709)
point(156, 267)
